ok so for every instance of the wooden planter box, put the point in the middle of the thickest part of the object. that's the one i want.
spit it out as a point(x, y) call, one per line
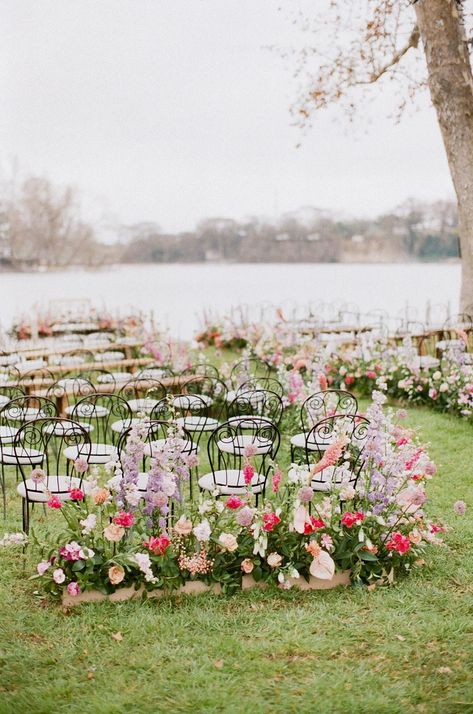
point(196, 587)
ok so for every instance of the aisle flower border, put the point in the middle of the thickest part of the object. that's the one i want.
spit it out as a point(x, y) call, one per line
point(117, 542)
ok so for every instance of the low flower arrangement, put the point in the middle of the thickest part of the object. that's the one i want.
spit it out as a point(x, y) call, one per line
point(114, 536)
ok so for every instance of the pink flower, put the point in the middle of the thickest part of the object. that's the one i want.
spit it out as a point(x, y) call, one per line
point(270, 520)
point(234, 502)
point(350, 519)
point(124, 518)
point(54, 502)
point(323, 382)
point(330, 458)
point(305, 494)
point(73, 589)
point(371, 374)
point(59, 576)
point(42, 567)
point(244, 517)
point(70, 551)
point(459, 507)
point(159, 545)
point(401, 544)
point(38, 475)
point(349, 379)
point(76, 494)
point(277, 478)
point(81, 465)
point(312, 524)
point(248, 473)
point(326, 541)
point(250, 450)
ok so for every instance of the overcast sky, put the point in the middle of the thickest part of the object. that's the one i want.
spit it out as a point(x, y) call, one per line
point(173, 110)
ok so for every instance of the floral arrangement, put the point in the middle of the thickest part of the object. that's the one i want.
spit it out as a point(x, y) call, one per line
point(116, 535)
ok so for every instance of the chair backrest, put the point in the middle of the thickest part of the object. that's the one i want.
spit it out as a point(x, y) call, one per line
point(257, 402)
point(203, 368)
point(269, 383)
point(327, 403)
point(351, 431)
point(72, 388)
point(99, 411)
point(49, 437)
point(227, 450)
point(209, 388)
point(247, 368)
point(97, 376)
point(145, 391)
point(26, 408)
point(151, 431)
point(37, 379)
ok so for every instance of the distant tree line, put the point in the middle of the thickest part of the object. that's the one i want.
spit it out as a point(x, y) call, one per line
point(413, 231)
point(41, 227)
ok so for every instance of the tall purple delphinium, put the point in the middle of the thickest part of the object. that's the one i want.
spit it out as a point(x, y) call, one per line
point(127, 494)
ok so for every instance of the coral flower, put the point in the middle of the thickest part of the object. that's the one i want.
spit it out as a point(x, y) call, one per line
point(54, 502)
point(270, 520)
point(350, 519)
point(124, 518)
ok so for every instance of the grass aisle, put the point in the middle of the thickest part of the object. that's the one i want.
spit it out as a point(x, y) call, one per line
point(404, 649)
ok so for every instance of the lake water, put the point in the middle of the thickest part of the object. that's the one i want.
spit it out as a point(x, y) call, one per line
point(178, 294)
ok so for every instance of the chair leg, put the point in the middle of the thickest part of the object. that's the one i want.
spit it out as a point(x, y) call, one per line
point(4, 492)
point(26, 516)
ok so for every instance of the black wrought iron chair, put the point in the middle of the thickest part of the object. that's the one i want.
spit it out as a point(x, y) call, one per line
point(316, 407)
point(45, 478)
point(348, 428)
point(227, 457)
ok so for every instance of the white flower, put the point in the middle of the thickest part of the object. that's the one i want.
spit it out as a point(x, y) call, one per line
point(228, 542)
point(443, 387)
point(13, 539)
point(132, 495)
point(113, 484)
point(206, 506)
point(168, 485)
point(202, 530)
point(144, 563)
point(59, 576)
point(86, 553)
point(437, 375)
point(88, 524)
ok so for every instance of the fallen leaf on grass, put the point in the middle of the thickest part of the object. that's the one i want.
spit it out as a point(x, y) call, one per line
point(90, 675)
point(444, 670)
point(117, 636)
point(218, 664)
point(400, 638)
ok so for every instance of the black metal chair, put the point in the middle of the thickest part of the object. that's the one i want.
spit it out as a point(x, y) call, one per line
point(44, 478)
point(318, 406)
point(353, 429)
point(248, 368)
point(256, 404)
point(99, 411)
point(202, 368)
point(227, 458)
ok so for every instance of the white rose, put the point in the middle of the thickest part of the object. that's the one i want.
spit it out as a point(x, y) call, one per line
point(228, 542)
point(443, 387)
point(437, 375)
point(202, 530)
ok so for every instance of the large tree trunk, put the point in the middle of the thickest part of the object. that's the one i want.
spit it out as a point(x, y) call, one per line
point(451, 88)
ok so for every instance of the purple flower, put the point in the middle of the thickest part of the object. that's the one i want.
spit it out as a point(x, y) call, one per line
point(459, 507)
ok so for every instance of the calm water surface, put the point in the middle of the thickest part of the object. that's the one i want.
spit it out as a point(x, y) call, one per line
point(178, 294)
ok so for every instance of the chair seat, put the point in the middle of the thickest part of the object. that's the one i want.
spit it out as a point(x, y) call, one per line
point(237, 444)
point(230, 482)
point(87, 410)
point(65, 427)
point(20, 455)
point(24, 413)
point(114, 377)
point(299, 441)
point(92, 453)
point(111, 356)
point(7, 434)
point(195, 423)
point(248, 421)
point(142, 405)
point(74, 383)
point(40, 492)
point(230, 395)
point(3, 400)
point(192, 401)
point(325, 481)
point(142, 481)
point(123, 424)
point(153, 447)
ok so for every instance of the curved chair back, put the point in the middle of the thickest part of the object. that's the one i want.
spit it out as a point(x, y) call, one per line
point(327, 403)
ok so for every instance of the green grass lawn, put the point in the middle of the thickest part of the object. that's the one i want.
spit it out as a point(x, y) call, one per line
point(408, 648)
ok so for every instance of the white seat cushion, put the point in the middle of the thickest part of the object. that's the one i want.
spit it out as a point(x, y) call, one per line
point(92, 453)
point(87, 410)
point(7, 434)
point(194, 423)
point(123, 424)
point(60, 428)
point(158, 444)
point(142, 481)
point(20, 455)
point(248, 421)
point(325, 481)
point(114, 377)
point(3, 400)
point(15, 413)
point(40, 492)
point(230, 481)
point(237, 444)
point(192, 401)
point(142, 405)
point(299, 441)
point(71, 383)
point(112, 356)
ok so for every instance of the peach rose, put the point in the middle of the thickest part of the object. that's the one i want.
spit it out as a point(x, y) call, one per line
point(247, 566)
point(113, 532)
point(313, 548)
point(116, 574)
point(101, 495)
point(228, 542)
point(183, 526)
point(274, 560)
